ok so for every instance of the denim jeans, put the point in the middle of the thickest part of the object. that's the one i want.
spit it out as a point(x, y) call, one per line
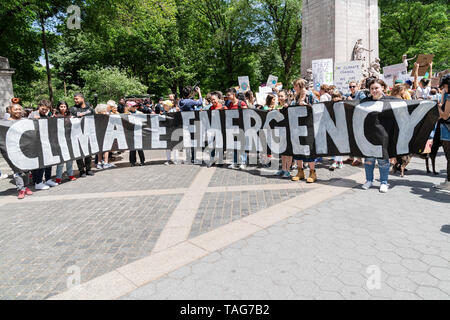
point(383, 165)
point(60, 168)
point(242, 157)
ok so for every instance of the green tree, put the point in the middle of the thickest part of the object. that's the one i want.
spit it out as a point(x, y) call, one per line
point(414, 27)
point(283, 23)
point(110, 83)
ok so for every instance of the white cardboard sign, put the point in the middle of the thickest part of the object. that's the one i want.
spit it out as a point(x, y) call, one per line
point(322, 72)
point(244, 83)
point(346, 72)
point(272, 81)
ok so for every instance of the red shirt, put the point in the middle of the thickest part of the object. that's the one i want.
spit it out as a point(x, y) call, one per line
point(218, 106)
point(238, 105)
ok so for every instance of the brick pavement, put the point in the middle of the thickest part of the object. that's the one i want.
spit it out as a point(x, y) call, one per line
point(331, 243)
point(325, 251)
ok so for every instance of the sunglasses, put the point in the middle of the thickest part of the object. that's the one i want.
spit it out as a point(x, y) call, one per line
point(352, 87)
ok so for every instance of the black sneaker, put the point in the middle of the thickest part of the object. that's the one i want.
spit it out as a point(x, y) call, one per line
point(82, 174)
point(90, 173)
point(132, 164)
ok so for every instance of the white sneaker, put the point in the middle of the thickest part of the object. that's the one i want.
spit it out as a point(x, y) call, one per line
point(384, 188)
point(99, 167)
point(367, 185)
point(51, 183)
point(232, 166)
point(443, 186)
point(4, 176)
point(108, 166)
point(167, 163)
point(41, 186)
point(242, 167)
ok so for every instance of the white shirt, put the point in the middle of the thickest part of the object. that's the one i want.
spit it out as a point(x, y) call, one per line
point(423, 93)
point(325, 97)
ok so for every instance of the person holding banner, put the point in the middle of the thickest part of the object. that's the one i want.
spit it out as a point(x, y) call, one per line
point(234, 104)
point(304, 97)
point(444, 115)
point(62, 111)
point(43, 112)
point(21, 178)
point(132, 109)
point(376, 87)
point(80, 110)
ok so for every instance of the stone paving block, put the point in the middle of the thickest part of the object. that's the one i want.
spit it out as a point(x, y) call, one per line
point(68, 226)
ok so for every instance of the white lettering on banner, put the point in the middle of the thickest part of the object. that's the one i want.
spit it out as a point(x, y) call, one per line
point(359, 117)
point(85, 138)
point(114, 131)
point(62, 141)
point(157, 131)
point(298, 131)
point(279, 146)
point(138, 120)
point(188, 129)
point(251, 132)
point(12, 142)
point(323, 124)
point(211, 132)
point(407, 122)
point(232, 130)
point(49, 158)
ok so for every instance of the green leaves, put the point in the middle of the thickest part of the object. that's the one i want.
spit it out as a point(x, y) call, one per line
point(414, 27)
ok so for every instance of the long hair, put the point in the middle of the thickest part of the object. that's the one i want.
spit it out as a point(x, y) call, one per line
point(60, 103)
point(301, 83)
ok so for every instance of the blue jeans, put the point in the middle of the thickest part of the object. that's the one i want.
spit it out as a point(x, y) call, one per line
point(383, 165)
point(60, 168)
point(242, 157)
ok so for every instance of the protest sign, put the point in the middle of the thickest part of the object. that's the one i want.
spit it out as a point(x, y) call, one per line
point(381, 129)
point(244, 83)
point(423, 60)
point(397, 70)
point(322, 72)
point(265, 90)
point(261, 98)
point(272, 81)
point(346, 72)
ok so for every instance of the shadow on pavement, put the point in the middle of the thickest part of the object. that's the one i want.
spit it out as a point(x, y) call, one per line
point(445, 229)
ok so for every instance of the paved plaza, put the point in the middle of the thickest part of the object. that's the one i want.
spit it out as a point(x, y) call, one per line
point(192, 232)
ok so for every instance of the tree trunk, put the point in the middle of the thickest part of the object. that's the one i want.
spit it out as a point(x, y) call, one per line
point(65, 88)
point(47, 64)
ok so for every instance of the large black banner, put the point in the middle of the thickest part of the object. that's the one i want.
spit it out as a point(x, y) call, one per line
point(379, 129)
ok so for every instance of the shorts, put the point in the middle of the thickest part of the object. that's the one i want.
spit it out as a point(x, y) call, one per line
point(445, 133)
point(304, 159)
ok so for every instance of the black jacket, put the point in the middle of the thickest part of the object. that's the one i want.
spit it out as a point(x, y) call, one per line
point(88, 110)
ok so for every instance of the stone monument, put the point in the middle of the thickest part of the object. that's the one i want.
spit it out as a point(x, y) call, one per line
point(6, 87)
point(343, 30)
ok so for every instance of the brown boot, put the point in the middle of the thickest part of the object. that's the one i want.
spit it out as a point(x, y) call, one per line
point(312, 176)
point(300, 175)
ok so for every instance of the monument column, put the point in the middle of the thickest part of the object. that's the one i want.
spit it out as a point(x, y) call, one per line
point(6, 87)
point(332, 28)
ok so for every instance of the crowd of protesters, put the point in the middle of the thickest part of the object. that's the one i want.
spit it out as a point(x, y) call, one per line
point(370, 89)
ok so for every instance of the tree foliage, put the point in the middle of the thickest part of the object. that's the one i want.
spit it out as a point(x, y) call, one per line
point(165, 45)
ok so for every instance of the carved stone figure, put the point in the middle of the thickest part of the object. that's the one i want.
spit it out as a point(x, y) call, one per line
point(358, 51)
point(406, 60)
point(375, 68)
point(309, 77)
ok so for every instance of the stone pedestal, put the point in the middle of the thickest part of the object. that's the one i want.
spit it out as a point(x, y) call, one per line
point(6, 87)
point(331, 29)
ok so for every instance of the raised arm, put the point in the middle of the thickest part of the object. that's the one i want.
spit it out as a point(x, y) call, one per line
point(416, 75)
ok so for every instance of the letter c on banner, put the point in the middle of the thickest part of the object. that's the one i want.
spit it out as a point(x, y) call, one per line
point(12, 142)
